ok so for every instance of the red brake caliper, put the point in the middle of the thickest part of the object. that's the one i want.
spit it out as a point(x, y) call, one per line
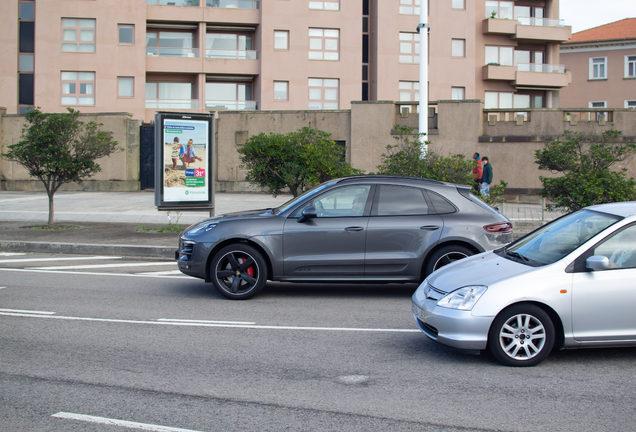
point(250, 269)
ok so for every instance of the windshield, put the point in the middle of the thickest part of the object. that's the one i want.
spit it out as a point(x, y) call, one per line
point(289, 204)
point(559, 238)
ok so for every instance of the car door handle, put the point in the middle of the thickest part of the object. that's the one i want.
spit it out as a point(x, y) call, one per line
point(429, 227)
point(354, 229)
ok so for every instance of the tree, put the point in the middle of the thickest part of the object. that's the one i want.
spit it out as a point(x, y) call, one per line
point(585, 163)
point(59, 148)
point(295, 160)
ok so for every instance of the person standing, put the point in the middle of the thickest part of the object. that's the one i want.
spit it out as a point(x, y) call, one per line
point(486, 177)
point(477, 172)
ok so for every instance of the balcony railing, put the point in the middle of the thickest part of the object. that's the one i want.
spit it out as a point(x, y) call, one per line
point(173, 103)
point(230, 105)
point(173, 2)
point(541, 22)
point(232, 4)
point(231, 54)
point(172, 52)
point(537, 67)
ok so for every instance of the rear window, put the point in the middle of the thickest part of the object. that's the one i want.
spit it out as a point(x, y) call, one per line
point(441, 204)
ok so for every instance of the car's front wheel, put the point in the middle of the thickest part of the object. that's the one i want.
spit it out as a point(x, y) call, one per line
point(521, 335)
point(238, 272)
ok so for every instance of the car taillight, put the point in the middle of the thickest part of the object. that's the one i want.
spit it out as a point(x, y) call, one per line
point(499, 228)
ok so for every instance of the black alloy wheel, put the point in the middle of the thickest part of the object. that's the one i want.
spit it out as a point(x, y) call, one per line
point(238, 272)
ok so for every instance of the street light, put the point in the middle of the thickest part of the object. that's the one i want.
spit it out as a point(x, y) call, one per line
point(423, 29)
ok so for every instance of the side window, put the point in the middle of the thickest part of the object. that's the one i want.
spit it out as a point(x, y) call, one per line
point(620, 248)
point(349, 201)
point(441, 205)
point(400, 201)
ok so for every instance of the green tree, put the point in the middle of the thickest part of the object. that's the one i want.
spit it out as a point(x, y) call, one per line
point(585, 164)
point(295, 160)
point(59, 148)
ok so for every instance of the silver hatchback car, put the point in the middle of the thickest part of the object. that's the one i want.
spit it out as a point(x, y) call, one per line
point(355, 229)
point(569, 284)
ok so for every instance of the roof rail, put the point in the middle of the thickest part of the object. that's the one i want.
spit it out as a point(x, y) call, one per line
point(390, 177)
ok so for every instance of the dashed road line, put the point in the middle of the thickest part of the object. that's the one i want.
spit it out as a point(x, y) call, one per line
point(59, 259)
point(97, 266)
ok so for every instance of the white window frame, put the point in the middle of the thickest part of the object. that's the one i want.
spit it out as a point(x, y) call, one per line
point(458, 93)
point(500, 49)
point(591, 105)
point(331, 5)
point(324, 93)
point(457, 44)
point(594, 69)
point(409, 48)
point(409, 91)
point(458, 4)
point(281, 90)
point(324, 44)
point(279, 36)
point(82, 31)
point(119, 27)
point(409, 7)
point(123, 84)
point(630, 66)
point(78, 88)
point(630, 104)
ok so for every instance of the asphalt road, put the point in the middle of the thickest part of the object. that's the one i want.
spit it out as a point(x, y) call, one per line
point(110, 344)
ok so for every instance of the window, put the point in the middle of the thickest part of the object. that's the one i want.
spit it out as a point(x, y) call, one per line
point(409, 48)
point(630, 66)
point(323, 93)
point(26, 62)
point(170, 44)
point(78, 35)
point(599, 105)
point(228, 95)
point(410, 7)
point(27, 11)
point(499, 9)
point(25, 89)
point(78, 88)
point(457, 93)
point(620, 248)
point(332, 5)
point(409, 91)
point(229, 45)
point(494, 100)
point(630, 104)
point(401, 201)
point(125, 86)
point(281, 39)
point(598, 68)
point(126, 34)
point(170, 95)
point(500, 56)
point(348, 201)
point(281, 90)
point(458, 48)
point(458, 4)
point(324, 44)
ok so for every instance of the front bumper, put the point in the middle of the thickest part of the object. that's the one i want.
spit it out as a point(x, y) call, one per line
point(456, 328)
point(190, 260)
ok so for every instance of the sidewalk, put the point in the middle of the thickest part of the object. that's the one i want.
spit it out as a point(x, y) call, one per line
point(108, 222)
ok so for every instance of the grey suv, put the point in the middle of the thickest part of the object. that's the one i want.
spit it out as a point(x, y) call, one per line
point(362, 228)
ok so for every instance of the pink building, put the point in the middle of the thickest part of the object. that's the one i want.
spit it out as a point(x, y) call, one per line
point(603, 65)
point(202, 55)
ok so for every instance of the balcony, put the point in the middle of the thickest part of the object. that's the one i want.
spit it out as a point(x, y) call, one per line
point(230, 105)
point(172, 52)
point(172, 103)
point(527, 28)
point(529, 75)
point(232, 4)
point(173, 2)
point(231, 54)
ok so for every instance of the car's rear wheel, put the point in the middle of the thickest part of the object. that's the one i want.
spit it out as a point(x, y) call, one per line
point(521, 335)
point(238, 272)
point(445, 256)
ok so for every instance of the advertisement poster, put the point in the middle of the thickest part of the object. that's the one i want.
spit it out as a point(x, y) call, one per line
point(186, 174)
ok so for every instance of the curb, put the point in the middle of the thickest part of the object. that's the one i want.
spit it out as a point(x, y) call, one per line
point(71, 248)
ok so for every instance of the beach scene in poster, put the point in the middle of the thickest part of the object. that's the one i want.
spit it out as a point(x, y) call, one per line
point(186, 171)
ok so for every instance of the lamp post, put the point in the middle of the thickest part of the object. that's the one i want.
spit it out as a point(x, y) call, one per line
point(423, 103)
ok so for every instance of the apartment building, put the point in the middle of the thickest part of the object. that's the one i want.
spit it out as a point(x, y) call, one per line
point(203, 55)
point(603, 64)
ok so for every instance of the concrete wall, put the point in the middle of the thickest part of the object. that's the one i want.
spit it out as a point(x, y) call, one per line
point(120, 171)
point(463, 127)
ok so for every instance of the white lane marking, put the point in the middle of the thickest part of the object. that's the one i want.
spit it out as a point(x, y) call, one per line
point(204, 321)
point(120, 423)
point(2, 287)
point(59, 259)
point(96, 273)
point(169, 272)
point(27, 311)
point(90, 266)
point(12, 253)
point(195, 324)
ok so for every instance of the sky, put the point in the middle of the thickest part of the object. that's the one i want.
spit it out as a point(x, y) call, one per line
point(585, 14)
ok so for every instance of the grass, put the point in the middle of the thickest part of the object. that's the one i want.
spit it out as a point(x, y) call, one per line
point(55, 227)
point(169, 229)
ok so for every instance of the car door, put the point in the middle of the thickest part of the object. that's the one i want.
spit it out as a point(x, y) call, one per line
point(332, 243)
point(603, 302)
point(399, 233)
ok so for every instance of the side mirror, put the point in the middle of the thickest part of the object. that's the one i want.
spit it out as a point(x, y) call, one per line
point(598, 263)
point(308, 213)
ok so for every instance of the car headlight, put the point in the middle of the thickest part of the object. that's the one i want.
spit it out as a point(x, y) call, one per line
point(202, 228)
point(463, 299)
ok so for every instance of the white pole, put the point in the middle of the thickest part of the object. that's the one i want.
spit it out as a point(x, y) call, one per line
point(423, 118)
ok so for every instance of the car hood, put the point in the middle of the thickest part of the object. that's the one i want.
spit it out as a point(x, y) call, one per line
point(244, 214)
point(483, 269)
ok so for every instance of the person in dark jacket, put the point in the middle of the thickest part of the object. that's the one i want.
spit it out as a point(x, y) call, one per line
point(486, 176)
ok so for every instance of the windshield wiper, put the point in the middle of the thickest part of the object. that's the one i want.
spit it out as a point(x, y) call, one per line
point(515, 255)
